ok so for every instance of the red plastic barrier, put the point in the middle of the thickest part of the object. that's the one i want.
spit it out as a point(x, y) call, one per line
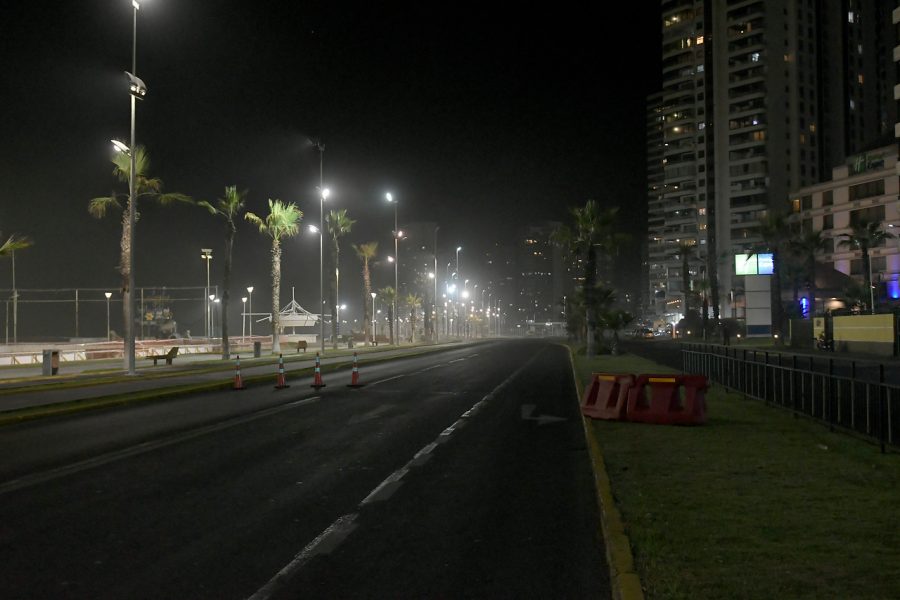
point(668, 400)
point(607, 396)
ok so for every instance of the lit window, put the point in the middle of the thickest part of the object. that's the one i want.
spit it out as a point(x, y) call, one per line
point(699, 68)
point(859, 78)
point(755, 57)
point(850, 17)
point(699, 40)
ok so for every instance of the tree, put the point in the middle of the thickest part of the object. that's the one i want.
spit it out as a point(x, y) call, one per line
point(592, 233)
point(282, 221)
point(228, 208)
point(338, 224)
point(366, 252)
point(805, 247)
point(389, 295)
point(146, 188)
point(412, 301)
point(775, 233)
point(864, 235)
point(14, 242)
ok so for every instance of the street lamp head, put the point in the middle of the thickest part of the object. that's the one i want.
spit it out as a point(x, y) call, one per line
point(373, 295)
point(325, 193)
point(465, 294)
point(108, 295)
point(458, 248)
point(244, 299)
point(390, 259)
point(212, 297)
point(430, 275)
point(250, 289)
point(135, 4)
point(137, 86)
point(217, 300)
point(313, 229)
point(389, 197)
point(399, 235)
point(120, 147)
point(206, 253)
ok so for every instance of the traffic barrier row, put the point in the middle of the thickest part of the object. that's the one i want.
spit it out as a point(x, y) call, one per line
point(662, 399)
point(281, 382)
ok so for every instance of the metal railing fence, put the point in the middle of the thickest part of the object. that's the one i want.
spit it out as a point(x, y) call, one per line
point(836, 393)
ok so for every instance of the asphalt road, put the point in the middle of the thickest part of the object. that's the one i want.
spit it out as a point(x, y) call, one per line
point(458, 474)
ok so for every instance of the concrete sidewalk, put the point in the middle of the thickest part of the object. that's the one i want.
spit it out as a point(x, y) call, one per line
point(94, 382)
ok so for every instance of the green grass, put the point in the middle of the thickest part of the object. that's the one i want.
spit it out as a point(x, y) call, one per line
point(754, 504)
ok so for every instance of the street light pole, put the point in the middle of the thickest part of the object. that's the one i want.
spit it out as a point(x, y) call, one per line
point(322, 197)
point(390, 199)
point(373, 316)
point(434, 303)
point(250, 316)
point(108, 295)
point(244, 318)
point(206, 254)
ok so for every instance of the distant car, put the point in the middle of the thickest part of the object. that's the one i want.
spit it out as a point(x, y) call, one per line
point(647, 333)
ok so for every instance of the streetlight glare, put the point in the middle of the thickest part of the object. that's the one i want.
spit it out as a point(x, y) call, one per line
point(390, 259)
point(325, 193)
point(135, 4)
point(313, 228)
point(430, 275)
point(389, 197)
point(465, 294)
point(120, 147)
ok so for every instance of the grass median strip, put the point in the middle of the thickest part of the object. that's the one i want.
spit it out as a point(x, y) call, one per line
point(754, 504)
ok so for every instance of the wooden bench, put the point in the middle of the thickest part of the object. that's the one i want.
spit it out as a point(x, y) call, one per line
point(301, 345)
point(168, 356)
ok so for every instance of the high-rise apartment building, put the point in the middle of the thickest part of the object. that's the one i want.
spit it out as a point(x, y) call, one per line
point(758, 98)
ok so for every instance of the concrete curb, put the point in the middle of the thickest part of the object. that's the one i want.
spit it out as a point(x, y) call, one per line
point(624, 580)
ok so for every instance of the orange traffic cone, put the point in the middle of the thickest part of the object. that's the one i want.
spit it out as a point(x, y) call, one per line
point(354, 381)
point(317, 380)
point(279, 381)
point(238, 382)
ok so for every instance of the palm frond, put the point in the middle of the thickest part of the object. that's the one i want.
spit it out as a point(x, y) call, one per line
point(15, 242)
point(97, 207)
point(166, 199)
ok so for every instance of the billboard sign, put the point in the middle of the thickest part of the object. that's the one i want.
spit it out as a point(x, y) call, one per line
point(753, 264)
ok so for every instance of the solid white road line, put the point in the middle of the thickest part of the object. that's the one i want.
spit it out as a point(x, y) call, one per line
point(326, 542)
point(388, 379)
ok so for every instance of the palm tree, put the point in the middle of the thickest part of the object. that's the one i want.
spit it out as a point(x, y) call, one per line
point(775, 233)
point(389, 295)
point(412, 301)
point(146, 187)
point(14, 242)
point(229, 208)
point(805, 247)
point(592, 233)
point(865, 234)
point(366, 252)
point(338, 224)
point(282, 221)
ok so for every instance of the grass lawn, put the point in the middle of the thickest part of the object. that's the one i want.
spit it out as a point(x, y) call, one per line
point(754, 504)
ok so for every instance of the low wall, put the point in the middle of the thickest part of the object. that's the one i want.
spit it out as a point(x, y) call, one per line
point(871, 334)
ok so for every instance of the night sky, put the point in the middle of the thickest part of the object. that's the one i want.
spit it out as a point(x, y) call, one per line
point(481, 119)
